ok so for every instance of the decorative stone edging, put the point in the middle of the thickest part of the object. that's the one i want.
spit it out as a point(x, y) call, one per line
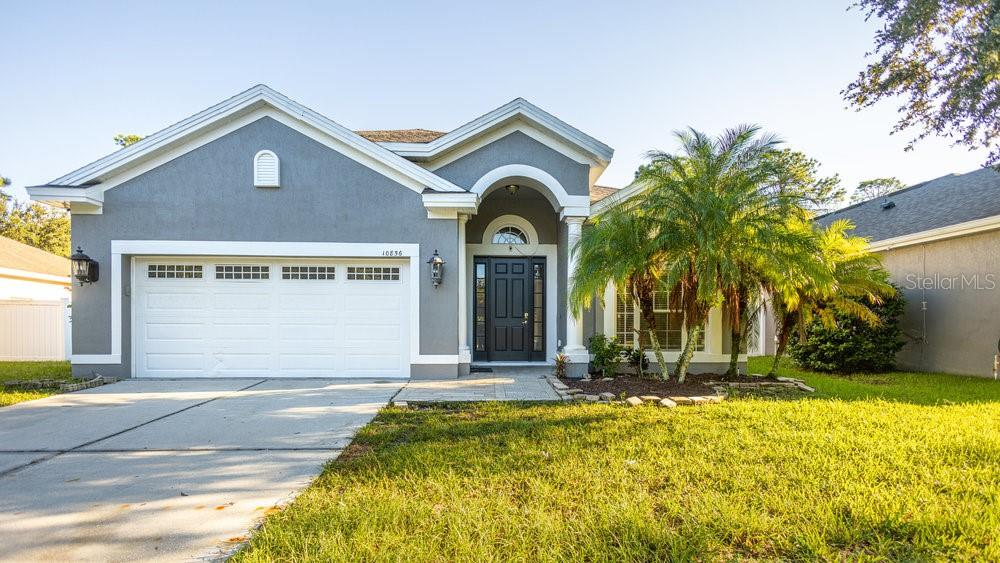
point(35, 384)
point(786, 382)
point(570, 394)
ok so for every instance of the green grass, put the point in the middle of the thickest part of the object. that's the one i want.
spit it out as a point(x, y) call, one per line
point(869, 468)
point(14, 371)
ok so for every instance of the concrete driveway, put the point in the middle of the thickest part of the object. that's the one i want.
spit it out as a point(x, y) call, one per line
point(166, 470)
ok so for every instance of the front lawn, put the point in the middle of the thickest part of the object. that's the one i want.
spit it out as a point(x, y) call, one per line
point(15, 371)
point(868, 467)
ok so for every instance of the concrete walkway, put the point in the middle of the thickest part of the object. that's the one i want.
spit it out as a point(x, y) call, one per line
point(504, 384)
point(166, 470)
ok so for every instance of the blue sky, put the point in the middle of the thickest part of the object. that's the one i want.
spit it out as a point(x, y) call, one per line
point(629, 73)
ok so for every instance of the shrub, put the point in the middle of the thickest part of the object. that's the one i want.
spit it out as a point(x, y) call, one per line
point(853, 345)
point(607, 355)
point(636, 357)
point(562, 362)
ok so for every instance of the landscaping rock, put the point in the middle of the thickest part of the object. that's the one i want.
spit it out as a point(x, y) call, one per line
point(633, 401)
point(607, 396)
point(699, 400)
point(682, 400)
point(401, 404)
point(789, 380)
point(805, 388)
point(667, 403)
point(592, 398)
point(607, 379)
point(650, 398)
point(559, 385)
point(575, 391)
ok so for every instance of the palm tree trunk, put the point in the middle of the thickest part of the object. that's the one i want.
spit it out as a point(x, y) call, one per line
point(785, 327)
point(685, 358)
point(646, 309)
point(734, 353)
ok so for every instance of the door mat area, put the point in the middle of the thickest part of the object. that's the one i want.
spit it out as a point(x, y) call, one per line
point(480, 369)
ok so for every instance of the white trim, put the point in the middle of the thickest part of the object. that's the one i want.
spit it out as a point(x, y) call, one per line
point(565, 204)
point(258, 180)
point(551, 254)
point(941, 233)
point(229, 115)
point(449, 205)
point(511, 220)
point(558, 144)
point(518, 108)
point(624, 194)
point(464, 350)
point(25, 274)
point(121, 248)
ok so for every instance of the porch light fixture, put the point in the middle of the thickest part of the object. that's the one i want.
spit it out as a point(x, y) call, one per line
point(437, 268)
point(85, 270)
point(512, 188)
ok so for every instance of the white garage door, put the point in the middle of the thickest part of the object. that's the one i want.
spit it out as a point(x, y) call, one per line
point(270, 317)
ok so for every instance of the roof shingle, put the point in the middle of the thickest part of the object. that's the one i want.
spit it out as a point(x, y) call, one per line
point(597, 193)
point(942, 202)
point(400, 135)
point(19, 256)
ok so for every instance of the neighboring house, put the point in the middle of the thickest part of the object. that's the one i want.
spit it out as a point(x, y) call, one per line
point(259, 237)
point(34, 296)
point(940, 241)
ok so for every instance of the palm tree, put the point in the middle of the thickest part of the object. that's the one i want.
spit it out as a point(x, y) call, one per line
point(720, 233)
point(617, 247)
point(854, 280)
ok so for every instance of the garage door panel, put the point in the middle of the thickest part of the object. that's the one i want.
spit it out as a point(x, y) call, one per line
point(275, 327)
point(167, 300)
point(175, 361)
point(237, 331)
point(175, 331)
point(241, 300)
point(306, 302)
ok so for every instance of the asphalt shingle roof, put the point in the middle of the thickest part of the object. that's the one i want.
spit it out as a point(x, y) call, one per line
point(401, 135)
point(945, 201)
point(597, 193)
point(19, 256)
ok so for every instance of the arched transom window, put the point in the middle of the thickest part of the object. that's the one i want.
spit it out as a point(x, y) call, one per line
point(510, 235)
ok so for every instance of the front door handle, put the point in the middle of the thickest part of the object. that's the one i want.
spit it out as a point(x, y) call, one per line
point(525, 321)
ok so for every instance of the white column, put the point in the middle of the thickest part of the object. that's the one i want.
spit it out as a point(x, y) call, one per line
point(464, 353)
point(574, 327)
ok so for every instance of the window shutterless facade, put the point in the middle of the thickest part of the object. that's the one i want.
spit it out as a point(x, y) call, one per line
point(668, 316)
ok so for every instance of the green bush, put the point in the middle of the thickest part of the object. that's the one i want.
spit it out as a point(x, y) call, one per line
point(853, 346)
point(607, 355)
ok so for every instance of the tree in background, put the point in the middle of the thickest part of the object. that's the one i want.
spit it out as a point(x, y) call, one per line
point(797, 175)
point(941, 60)
point(124, 140)
point(876, 188)
point(854, 283)
point(34, 224)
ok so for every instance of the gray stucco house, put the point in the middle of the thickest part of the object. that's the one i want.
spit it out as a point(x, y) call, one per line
point(259, 237)
point(940, 241)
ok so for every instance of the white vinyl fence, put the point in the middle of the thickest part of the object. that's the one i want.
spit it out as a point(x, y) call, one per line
point(34, 330)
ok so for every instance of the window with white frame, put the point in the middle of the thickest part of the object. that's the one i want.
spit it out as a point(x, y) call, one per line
point(174, 271)
point(308, 272)
point(667, 314)
point(242, 272)
point(509, 235)
point(373, 273)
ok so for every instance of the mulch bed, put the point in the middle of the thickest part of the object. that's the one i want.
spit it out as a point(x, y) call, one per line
point(630, 385)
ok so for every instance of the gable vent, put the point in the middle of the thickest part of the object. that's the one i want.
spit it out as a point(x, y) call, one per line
point(266, 170)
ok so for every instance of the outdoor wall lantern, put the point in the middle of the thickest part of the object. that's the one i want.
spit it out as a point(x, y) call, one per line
point(437, 268)
point(85, 270)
